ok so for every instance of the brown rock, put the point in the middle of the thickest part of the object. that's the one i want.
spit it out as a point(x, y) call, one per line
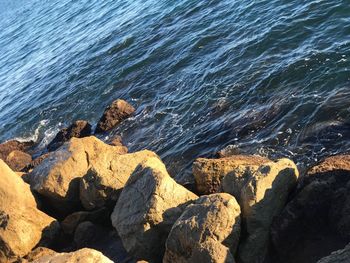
point(147, 208)
point(7, 147)
point(207, 231)
point(78, 129)
point(34, 163)
point(17, 160)
point(317, 219)
point(118, 111)
point(209, 173)
point(22, 225)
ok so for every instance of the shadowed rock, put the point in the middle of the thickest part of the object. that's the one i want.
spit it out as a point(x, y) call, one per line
point(147, 208)
point(207, 231)
point(317, 219)
point(114, 114)
point(339, 256)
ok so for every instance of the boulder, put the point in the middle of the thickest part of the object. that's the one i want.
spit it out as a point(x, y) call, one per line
point(85, 255)
point(37, 253)
point(18, 160)
point(317, 219)
point(339, 256)
point(101, 185)
point(114, 114)
point(209, 173)
point(207, 231)
point(22, 225)
point(70, 223)
point(78, 129)
point(7, 147)
point(85, 233)
point(147, 208)
point(57, 177)
point(260, 186)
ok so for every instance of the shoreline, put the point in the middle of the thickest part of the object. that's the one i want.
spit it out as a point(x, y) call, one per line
point(88, 193)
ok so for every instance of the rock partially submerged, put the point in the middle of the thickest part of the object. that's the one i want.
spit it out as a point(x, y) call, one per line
point(147, 208)
point(78, 129)
point(207, 231)
point(22, 225)
point(317, 219)
point(260, 186)
point(114, 114)
point(57, 177)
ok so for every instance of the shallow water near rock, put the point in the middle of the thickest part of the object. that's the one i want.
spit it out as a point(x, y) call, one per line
point(268, 77)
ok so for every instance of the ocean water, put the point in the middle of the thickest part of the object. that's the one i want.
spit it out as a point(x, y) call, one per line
point(266, 77)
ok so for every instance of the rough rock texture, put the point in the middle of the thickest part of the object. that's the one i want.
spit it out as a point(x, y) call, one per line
point(37, 253)
point(34, 163)
point(7, 147)
point(317, 219)
point(85, 255)
point(22, 225)
point(101, 186)
point(207, 231)
point(209, 173)
point(118, 111)
point(78, 129)
point(148, 206)
point(57, 177)
point(340, 256)
point(17, 160)
point(260, 186)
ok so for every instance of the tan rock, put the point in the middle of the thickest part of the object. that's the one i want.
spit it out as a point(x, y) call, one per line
point(207, 231)
point(148, 206)
point(57, 177)
point(85, 255)
point(260, 186)
point(17, 160)
point(7, 147)
point(102, 185)
point(22, 225)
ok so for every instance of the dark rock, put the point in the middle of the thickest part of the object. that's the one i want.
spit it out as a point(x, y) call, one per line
point(118, 111)
point(78, 129)
point(85, 234)
point(17, 160)
point(317, 219)
point(70, 223)
point(7, 147)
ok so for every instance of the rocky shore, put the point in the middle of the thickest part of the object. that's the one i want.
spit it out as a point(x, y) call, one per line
point(86, 200)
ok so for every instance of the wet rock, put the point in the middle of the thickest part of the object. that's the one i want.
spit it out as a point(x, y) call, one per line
point(207, 231)
point(17, 160)
point(147, 208)
point(80, 256)
point(22, 225)
point(57, 178)
point(70, 223)
point(78, 129)
point(339, 256)
point(102, 185)
point(114, 114)
point(209, 173)
point(316, 221)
